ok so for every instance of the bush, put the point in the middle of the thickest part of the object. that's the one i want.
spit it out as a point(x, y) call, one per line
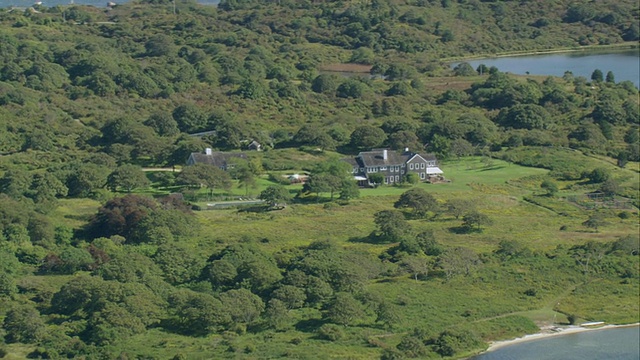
point(390, 354)
point(624, 215)
point(451, 342)
point(331, 332)
point(598, 175)
point(280, 180)
point(412, 346)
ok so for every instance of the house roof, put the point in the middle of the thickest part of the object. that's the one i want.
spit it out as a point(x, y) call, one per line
point(254, 144)
point(216, 158)
point(376, 157)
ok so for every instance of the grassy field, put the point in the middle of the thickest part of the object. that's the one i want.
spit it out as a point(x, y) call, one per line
point(491, 302)
point(491, 187)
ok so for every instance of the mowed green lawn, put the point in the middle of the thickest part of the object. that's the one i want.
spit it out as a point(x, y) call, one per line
point(496, 187)
point(491, 187)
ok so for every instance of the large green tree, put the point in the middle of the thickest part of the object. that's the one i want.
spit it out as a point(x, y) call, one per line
point(127, 177)
point(419, 200)
point(205, 175)
point(392, 226)
point(344, 309)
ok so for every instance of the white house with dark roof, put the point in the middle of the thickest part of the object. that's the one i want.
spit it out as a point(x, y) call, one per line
point(392, 165)
point(222, 160)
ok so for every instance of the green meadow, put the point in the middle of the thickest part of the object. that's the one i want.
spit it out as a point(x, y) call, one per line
point(491, 301)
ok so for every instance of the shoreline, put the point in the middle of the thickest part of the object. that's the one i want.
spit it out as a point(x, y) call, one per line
point(551, 332)
point(620, 46)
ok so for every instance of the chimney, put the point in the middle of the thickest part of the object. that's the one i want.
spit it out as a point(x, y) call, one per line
point(384, 154)
point(207, 151)
point(406, 150)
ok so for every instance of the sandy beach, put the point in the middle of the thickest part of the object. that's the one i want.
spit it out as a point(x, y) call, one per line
point(550, 332)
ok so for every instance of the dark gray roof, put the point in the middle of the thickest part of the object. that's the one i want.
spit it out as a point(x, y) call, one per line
point(216, 158)
point(424, 156)
point(376, 157)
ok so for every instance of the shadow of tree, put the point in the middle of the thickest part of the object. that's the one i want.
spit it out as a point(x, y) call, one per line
point(491, 168)
point(309, 325)
point(372, 238)
point(463, 229)
point(253, 209)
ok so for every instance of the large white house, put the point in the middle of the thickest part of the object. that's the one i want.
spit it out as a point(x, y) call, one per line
point(392, 165)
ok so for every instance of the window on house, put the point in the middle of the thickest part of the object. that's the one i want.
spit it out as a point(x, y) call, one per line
point(386, 180)
point(383, 168)
point(397, 178)
point(422, 176)
point(390, 178)
point(410, 166)
point(422, 166)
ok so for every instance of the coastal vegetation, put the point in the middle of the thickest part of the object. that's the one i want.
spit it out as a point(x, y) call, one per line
point(108, 249)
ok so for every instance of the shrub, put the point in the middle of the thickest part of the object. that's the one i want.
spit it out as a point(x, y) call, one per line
point(451, 342)
point(390, 354)
point(331, 332)
point(598, 175)
point(281, 180)
point(412, 346)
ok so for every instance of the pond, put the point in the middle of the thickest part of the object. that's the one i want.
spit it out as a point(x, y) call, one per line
point(624, 64)
point(618, 343)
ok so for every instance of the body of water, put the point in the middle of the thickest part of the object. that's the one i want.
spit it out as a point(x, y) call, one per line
point(625, 64)
point(611, 344)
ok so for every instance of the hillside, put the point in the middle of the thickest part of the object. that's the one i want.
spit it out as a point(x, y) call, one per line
point(108, 249)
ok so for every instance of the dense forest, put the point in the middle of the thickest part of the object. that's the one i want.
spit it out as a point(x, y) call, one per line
point(107, 249)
